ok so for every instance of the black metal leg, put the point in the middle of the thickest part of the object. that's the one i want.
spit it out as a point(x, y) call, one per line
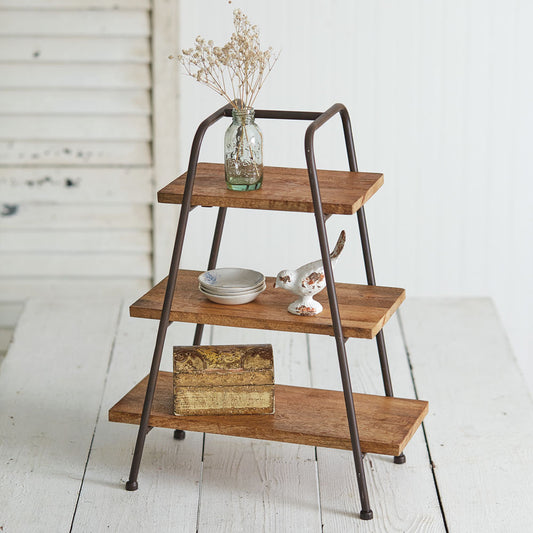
point(158, 350)
point(179, 434)
point(169, 294)
point(365, 243)
point(366, 513)
point(369, 267)
point(400, 459)
point(215, 247)
point(380, 338)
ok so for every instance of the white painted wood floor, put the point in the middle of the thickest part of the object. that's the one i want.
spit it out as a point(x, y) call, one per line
point(63, 465)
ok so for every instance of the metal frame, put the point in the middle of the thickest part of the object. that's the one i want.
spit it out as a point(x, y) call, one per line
point(318, 119)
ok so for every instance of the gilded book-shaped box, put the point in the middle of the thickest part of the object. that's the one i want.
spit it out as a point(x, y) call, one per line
point(223, 380)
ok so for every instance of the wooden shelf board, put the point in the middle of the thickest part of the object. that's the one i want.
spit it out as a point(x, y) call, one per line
point(364, 309)
point(283, 189)
point(314, 417)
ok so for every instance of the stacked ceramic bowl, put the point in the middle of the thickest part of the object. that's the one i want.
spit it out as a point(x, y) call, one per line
point(231, 286)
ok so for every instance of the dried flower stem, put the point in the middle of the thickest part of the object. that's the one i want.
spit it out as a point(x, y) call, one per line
point(239, 64)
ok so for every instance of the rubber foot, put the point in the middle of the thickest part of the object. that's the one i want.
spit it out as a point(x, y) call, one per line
point(179, 434)
point(400, 459)
point(132, 485)
point(366, 515)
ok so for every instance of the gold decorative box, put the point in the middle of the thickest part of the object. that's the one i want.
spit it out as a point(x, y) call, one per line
point(223, 380)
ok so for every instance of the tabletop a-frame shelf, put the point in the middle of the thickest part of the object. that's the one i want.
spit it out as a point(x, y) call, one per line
point(305, 416)
point(283, 189)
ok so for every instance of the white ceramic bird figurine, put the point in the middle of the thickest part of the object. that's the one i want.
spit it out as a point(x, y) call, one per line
point(307, 281)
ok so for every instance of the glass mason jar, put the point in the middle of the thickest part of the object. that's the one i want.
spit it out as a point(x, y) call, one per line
point(243, 152)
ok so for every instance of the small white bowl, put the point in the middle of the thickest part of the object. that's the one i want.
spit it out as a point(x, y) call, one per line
point(231, 279)
point(244, 292)
point(232, 290)
point(234, 299)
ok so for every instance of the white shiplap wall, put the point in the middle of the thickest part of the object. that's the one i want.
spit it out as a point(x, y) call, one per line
point(440, 98)
point(75, 154)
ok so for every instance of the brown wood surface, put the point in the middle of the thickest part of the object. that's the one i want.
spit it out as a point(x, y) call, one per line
point(364, 309)
point(315, 417)
point(283, 189)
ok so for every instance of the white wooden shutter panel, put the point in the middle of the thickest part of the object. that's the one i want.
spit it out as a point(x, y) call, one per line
point(75, 147)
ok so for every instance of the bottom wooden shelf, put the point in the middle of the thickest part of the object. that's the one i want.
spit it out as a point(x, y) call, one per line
point(315, 417)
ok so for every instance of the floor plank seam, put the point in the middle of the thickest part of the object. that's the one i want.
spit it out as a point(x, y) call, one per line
point(200, 483)
point(311, 384)
point(111, 352)
point(5, 349)
point(318, 491)
point(309, 365)
point(211, 336)
point(432, 464)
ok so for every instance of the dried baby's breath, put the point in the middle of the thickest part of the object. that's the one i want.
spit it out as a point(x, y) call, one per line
point(237, 70)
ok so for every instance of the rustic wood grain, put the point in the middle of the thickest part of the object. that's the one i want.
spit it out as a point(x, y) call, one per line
point(363, 309)
point(30, 153)
point(75, 217)
point(70, 76)
point(75, 119)
point(94, 23)
point(85, 241)
point(43, 264)
point(76, 5)
point(74, 185)
point(87, 102)
point(315, 417)
point(75, 128)
point(283, 189)
point(55, 288)
point(75, 49)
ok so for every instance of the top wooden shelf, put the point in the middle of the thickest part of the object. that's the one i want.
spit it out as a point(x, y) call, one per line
point(283, 189)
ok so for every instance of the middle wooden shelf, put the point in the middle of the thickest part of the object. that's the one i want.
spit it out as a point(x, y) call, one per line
point(364, 309)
